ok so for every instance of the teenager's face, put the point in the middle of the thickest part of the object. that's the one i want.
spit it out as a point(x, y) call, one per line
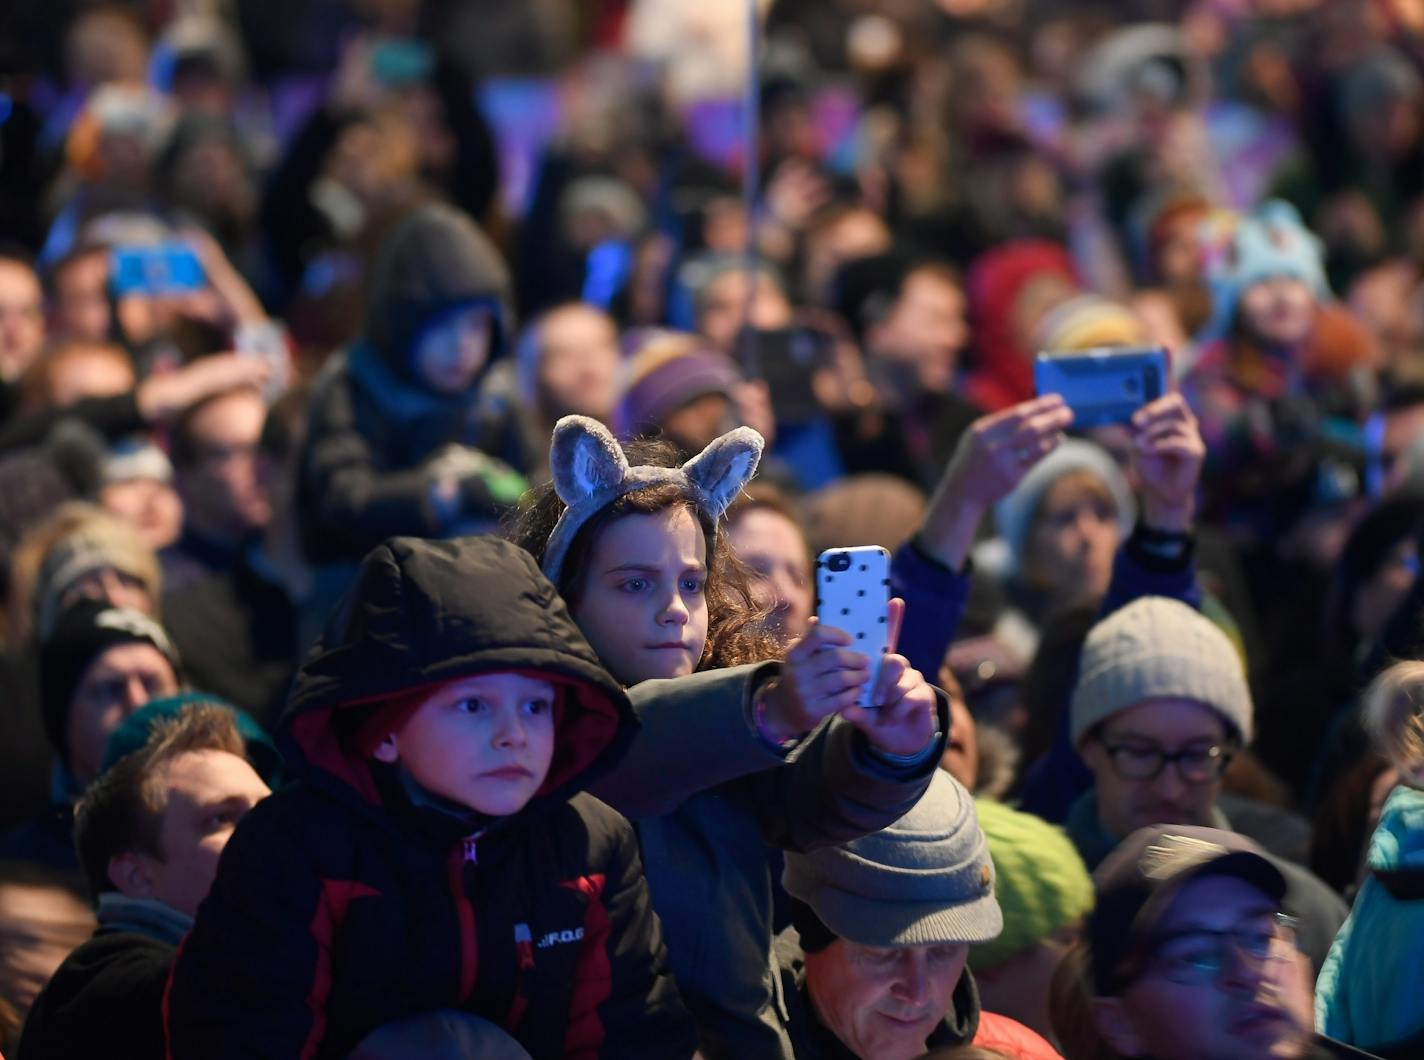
point(1165, 726)
point(1278, 311)
point(643, 605)
point(208, 793)
point(484, 742)
point(884, 1003)
point(450, 355)
point(1252, 1008)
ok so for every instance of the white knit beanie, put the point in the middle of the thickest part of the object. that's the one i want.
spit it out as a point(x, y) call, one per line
point(1156, 648)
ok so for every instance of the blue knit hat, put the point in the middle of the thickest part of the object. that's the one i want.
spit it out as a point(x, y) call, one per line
point(1270, 243)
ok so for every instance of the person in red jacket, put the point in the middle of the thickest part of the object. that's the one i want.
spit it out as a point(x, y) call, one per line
point(437, 855)
point(874, 966)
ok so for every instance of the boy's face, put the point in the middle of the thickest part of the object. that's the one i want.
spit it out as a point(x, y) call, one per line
point(450, 355)
point(643, 606)
point(484, 742)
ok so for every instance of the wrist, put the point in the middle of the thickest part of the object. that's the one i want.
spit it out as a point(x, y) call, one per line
point(1168, 518)
point(768, 716)
point(948, 532)
point(902, 759)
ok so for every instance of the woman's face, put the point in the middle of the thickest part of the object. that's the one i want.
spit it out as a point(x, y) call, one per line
point(1072, 541)
point(1278, 311)
point(643, 606)
point(775, 550)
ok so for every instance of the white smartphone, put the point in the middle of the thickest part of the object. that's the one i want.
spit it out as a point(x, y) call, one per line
point(853, 594)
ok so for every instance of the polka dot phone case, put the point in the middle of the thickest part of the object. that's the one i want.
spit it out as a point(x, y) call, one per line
point(853, 594)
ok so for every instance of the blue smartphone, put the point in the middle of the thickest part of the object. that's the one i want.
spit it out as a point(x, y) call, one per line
point(1104, 385)
point(167, 268)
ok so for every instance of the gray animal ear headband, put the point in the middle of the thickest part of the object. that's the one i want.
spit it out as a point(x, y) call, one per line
point(591, 472)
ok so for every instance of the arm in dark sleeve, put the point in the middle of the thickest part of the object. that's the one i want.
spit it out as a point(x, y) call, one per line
point(475, 179)
point(697, 732)
point(640, 1013)
point(1146, 565)
point(290, 222)
point(834, 788)
point(113, 417)
point(250, 978)
point(935, 598)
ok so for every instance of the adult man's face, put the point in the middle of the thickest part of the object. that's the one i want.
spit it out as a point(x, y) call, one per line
point(925, 330)
point(117, 683)
point(221, 489)
point(81, 298)
point(1122, 752)
point(724, 308)
point(1202, 994)
point(883, 1004)
point(22, 329)
point(208, 792)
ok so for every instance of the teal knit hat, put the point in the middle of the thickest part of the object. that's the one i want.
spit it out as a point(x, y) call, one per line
point(1040, 881)
point(133, 733)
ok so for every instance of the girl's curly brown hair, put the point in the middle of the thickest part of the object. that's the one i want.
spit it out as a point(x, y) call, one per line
point(736, 623)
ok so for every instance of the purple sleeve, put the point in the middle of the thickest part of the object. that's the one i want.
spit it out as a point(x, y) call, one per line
point(935, 598)
point(1055, 781)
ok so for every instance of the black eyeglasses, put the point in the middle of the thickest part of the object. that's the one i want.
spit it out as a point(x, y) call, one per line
point(1195, 765)
point(1198, 957)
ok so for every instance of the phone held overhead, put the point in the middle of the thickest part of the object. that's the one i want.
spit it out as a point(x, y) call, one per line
point(1105, 385)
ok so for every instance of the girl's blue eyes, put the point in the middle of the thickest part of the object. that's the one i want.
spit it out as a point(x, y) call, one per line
point(638, 585)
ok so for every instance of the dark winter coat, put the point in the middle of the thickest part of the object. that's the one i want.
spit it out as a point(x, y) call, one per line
point(353, 899)
point(366, 471)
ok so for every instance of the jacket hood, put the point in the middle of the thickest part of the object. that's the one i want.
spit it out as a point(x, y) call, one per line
point(421, 613)
point(1396, 852)
point(435, 262)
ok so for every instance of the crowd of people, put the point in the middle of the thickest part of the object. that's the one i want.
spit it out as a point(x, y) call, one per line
point(418, 426)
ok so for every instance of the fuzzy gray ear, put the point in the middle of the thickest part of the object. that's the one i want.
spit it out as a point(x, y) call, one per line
point(724, 467)
point(586, 460)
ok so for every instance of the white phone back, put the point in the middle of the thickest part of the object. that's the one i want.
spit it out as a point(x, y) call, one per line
point(857, 600)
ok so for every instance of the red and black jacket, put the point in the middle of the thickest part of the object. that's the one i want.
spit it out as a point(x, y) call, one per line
point(353, 899)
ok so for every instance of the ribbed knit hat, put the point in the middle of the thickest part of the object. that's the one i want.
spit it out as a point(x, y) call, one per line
point(1156, 648)
point(1014, 514)
point(671, 370)
point(1040, 881)
point(1088, 321)
point(1270, 243)
point(926, 880)
point(99, 543)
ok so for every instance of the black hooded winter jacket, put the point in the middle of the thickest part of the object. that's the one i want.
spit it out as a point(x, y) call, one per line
point(374, 429)
point(351, 900)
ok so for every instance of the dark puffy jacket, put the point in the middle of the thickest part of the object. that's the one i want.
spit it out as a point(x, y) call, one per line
point(366, 471)
point(353, 900)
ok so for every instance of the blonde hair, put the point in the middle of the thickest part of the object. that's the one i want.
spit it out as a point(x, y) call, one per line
point(1393, 714)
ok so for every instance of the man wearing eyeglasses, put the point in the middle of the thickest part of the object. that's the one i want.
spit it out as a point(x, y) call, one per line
point(1160, 707)
point(1191, 954)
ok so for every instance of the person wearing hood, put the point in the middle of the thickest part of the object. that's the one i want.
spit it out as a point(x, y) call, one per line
point(874, 965)
point(399, 440)
point(436, 850)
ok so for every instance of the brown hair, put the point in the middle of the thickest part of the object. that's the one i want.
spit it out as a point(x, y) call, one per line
point(736, 631)
point(1393, 713)
point(123, 810)
point(1070, 1009)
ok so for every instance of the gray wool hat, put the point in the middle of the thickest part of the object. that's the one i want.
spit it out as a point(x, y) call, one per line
point(1156, 648)
point(591, 471)
point(926, 880)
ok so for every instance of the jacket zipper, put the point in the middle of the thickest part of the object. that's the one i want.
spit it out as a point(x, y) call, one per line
point(464, 854)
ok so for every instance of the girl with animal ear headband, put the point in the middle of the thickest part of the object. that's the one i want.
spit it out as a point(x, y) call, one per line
point(631, 537)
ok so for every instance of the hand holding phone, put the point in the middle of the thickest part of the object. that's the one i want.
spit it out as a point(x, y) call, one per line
point(164, 269)
point(853, 595)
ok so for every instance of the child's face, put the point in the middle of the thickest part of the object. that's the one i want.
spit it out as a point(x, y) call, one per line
point(643, 606)
point(1278, 311)
point(449, 355)
point(484, 742)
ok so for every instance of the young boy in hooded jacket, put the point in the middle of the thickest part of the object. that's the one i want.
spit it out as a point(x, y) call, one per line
point(437, 852)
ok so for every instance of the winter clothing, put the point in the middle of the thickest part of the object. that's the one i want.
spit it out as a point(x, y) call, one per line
point(1319, 908)
point(964, 1024)
point(239, 635)
point(100, 543)
point(1369, 991)
point(136, 458)
point(665, 375)
point(115, 980)
point(1270, 243)
point(1003, 372)
point(1089, 321)
point(1014, 514)
point(354, 898)
point(591, 471)
point(379, 439)
point(1040, 882)
point(83, 633)
point(1156, 648)
point(925, 880)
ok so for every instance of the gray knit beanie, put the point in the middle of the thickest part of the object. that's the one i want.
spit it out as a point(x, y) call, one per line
point(1156, 648)
point(1014, 514)
point(926, 880)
